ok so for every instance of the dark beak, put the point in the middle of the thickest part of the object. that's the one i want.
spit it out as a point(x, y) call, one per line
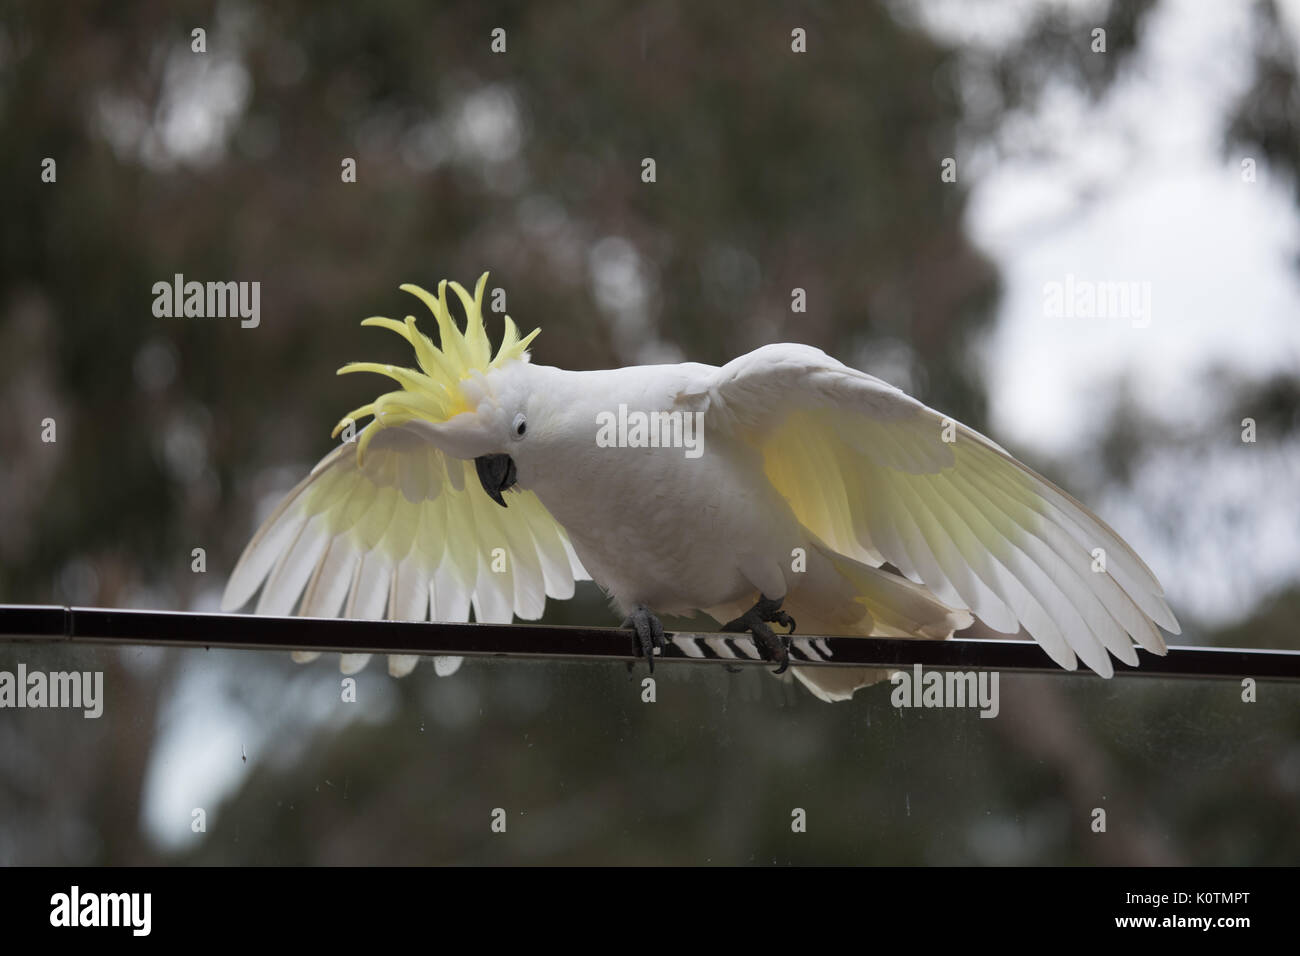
point(496, 473)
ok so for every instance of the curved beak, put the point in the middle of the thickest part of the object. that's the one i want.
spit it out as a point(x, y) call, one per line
point(496, 473)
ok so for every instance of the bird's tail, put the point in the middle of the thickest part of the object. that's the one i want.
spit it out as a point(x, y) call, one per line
point(884, 604)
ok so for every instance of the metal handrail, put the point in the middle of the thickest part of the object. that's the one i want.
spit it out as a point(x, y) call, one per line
point(89, 625)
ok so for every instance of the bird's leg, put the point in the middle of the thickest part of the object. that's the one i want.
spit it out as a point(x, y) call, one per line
point(773, 646)
point(649, 632)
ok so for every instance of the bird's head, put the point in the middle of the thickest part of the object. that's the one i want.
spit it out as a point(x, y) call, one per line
point(469, 403)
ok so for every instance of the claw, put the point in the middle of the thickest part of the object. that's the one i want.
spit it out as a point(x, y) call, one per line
point(649, 632)
point(784, 656)
point(774, 647)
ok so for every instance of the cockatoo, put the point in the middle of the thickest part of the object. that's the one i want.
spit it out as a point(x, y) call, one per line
point(783, 486)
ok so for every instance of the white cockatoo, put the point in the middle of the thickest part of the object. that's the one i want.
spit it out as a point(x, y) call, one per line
point(782, 486)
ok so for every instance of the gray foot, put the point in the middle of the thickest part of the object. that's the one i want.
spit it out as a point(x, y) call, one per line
point(772, 646)
point(649, 632)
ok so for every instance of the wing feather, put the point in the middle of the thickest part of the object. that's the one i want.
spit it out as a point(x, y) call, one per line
point(882, 478)
point(408, 536)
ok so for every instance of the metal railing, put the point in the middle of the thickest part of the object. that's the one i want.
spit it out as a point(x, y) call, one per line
point(89, 625)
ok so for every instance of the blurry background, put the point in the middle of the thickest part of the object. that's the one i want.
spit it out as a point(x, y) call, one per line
point(1173, 158)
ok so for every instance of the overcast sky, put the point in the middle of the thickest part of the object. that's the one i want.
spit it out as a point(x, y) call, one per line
point(1138, 188)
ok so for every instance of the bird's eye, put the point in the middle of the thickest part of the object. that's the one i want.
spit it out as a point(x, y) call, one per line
point(520, 426)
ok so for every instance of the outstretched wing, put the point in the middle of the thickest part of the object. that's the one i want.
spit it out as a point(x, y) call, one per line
point(410, 535)
point(881, 477)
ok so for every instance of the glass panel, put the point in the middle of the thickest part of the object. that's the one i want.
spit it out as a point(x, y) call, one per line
point(1072, 226)
point(272, 765)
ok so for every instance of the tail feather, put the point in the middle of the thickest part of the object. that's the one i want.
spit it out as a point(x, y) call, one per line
point(833, 684)
point(892, 606)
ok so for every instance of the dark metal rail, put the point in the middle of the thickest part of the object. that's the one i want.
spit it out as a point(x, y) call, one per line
point(88, 625)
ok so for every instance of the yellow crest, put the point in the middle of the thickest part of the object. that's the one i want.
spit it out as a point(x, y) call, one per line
point(433, 392)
